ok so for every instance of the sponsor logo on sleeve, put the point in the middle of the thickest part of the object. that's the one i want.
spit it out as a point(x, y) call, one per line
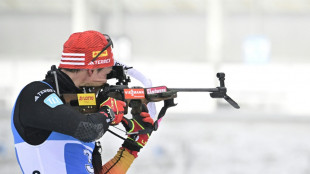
point(40, 93)
point(53, 100)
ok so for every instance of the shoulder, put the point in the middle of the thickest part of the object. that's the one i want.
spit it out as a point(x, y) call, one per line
point(39, 87)
point(36, 90)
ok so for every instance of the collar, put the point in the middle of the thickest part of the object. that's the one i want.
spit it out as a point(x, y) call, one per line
point(65, 83)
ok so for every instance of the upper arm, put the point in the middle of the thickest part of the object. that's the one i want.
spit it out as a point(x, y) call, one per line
point(41, 108)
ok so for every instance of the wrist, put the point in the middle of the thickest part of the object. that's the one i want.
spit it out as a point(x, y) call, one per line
point(107, 111)
point(131, 145)
point(132, 152)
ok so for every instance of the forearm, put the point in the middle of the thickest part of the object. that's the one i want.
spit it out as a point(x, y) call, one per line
point(39, 111)
point(91, 128)
point(119, 164)
point(86, 128)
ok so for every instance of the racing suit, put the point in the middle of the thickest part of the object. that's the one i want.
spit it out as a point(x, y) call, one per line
point(51, 137)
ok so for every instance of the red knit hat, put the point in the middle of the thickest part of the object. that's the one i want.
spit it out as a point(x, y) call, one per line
point(87, 50)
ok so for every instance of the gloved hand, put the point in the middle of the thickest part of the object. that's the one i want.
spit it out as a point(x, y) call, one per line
point(142, 123)
point(117, 106)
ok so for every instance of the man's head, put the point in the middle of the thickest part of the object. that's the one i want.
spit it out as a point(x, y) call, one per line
point(87, 58)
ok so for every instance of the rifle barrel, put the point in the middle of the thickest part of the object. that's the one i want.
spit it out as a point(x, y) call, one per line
point(195, 89)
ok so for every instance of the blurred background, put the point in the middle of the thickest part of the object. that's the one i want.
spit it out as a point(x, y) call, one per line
point(261, 45)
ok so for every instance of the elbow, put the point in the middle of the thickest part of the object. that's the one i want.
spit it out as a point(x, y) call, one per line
point(89, 132)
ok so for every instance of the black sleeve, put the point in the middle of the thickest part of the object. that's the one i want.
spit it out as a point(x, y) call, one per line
point(40, 110)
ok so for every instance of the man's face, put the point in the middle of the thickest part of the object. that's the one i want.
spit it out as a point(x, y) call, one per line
point(97, 77)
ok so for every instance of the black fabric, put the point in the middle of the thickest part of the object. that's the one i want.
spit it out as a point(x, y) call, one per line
point(88, 132)
point(131, 145)
point(35, 120)
point(65, 83)
point(96, 158)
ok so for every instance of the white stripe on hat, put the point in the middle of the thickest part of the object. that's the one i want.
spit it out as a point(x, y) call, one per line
point(72, 63)
point(72, 58)
point(73, 54)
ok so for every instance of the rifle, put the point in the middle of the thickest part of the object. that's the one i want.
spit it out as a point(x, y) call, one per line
point(135, 97)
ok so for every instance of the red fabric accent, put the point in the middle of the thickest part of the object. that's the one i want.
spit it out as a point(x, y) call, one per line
point(146, 117)
point(118, 108)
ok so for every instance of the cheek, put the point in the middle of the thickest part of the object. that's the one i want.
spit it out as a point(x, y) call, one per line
point(102, 76)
